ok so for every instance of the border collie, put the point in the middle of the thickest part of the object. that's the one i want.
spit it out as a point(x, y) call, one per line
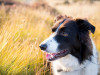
point(70, 48)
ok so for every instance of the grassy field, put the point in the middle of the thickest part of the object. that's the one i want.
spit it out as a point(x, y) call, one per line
point(21, 31)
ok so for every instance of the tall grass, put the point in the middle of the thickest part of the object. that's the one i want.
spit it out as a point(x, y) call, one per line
point(21, 31)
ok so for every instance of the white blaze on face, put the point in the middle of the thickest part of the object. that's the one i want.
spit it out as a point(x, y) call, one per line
point(52, 44)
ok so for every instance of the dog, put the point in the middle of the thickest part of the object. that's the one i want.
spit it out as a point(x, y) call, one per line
point(70, 49)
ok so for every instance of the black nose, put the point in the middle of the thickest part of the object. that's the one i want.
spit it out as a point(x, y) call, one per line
point(43, 46)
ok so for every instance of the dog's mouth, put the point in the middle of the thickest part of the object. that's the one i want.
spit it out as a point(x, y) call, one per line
point(54, 56)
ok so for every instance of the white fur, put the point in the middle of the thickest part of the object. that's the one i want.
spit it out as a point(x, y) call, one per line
point(52, 44)
point(70, 65)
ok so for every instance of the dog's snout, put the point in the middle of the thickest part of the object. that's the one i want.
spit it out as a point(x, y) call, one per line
point(43, 46)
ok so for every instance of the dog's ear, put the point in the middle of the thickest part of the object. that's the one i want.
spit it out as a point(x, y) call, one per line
point(58, 18)
point(84, 26)
point(83, 33)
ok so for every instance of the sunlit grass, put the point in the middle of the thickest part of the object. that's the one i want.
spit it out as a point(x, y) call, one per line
point(21, 31)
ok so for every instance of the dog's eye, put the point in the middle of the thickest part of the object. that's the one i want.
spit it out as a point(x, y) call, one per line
point(64, 33)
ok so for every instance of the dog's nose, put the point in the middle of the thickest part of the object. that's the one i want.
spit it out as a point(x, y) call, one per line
point(43, 46)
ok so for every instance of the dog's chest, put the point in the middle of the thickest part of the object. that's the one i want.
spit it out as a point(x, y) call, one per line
point(65, 65)
point(59, 69)
point(69, 65)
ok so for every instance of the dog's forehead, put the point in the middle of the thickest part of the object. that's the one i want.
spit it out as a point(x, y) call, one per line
point(56, 25)
point(61, 23)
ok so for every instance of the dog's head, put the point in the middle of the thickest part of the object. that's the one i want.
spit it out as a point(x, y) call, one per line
point(70, 36)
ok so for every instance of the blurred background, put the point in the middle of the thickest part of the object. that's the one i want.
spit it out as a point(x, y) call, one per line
point(24, 24)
